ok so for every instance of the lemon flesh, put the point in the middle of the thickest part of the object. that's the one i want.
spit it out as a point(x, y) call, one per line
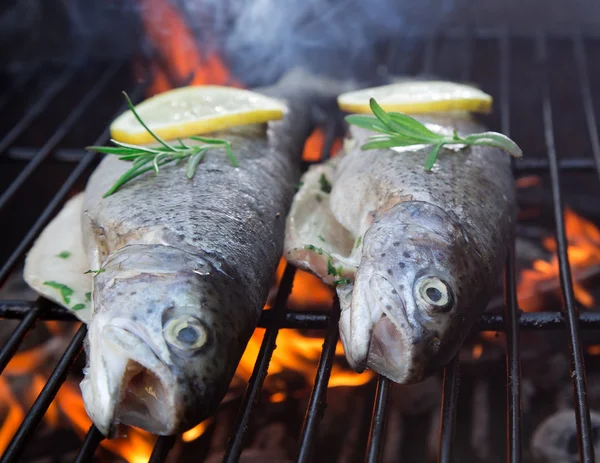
point(195, 110)
point(418, 97)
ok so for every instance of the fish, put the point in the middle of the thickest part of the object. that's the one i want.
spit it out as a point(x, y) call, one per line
point(414, 255)
point(169, 274)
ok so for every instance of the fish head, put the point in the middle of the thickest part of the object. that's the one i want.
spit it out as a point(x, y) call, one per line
point(162, 345)
point(415, 293)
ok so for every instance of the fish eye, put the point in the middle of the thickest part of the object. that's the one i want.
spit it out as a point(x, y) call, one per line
point(185, 333)
point(435, 293)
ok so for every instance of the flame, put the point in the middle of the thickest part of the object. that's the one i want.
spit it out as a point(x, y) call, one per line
point(27, 361)
point(51, 417)
point(584, 253)
point(313, 147)
point(182, 60)
point(14, 415)
point(136, 448)
point(196, 431)
point(297, 353)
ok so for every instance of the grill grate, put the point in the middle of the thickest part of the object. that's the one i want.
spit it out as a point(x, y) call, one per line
point(452, 55)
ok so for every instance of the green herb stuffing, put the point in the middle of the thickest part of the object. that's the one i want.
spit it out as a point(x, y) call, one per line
point(321, 238)
point(78, 307)
point(88, 297)
point(65, 291)
point(342, 281)
point(325, 185)
point(64, 255)
point(398, 129)
point(358, 241)
point(310, 247)
point(145, 158)
point(96, 272)
point(330, 268)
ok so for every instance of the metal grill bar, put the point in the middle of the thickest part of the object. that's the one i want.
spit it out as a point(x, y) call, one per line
point(21, 81)
point(317, 403)
point(45, 398)
point(38, 107)
point(586, 98)
point(451, 386)
point(582, 411)
point(163, 445)
point(60, 133)
point(57, 200)
point(542, 165)
point(235, 445)
point(528, 321)
point(37, 411)
point(512, 321)
point(378, 420)
point(90, 444)
point(12, 345)
point(511, 313)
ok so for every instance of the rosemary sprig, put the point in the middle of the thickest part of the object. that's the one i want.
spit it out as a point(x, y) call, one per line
point(145, 158)
point(398, 129)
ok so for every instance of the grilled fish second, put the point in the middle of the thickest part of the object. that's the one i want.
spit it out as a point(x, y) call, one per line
point(414, 254)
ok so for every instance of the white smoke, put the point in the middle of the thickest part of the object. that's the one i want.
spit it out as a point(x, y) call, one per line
point(261, 39)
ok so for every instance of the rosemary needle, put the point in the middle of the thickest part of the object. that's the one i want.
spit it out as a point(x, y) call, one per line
point(145, 158)
point(398, 129)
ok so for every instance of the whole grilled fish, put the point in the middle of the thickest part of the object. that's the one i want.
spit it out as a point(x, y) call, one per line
point(186, 266)
point(414, 254)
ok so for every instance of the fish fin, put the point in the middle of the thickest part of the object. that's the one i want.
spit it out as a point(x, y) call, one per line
point(56, 263)
point(315, 240)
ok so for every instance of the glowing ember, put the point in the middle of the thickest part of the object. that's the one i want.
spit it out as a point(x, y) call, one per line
point(196, 431)
point(177, 48)
point(593, 350)
point(528, 181)
point(584, 256)
point(477, 351)
point(314, 146)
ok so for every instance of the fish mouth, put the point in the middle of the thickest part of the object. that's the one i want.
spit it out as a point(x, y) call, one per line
point(389, 352)
point(128, 384)
point(394, 345)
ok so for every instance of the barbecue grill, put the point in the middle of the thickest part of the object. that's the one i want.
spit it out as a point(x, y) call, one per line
point(546, 89)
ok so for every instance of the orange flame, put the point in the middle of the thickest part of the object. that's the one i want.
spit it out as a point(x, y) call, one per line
point(51, 417)
point(196, 431)
point(176, 45)
point(300, 354)
point(584, 254)
point(14, 416)
point(314, 146)
point(136, 448)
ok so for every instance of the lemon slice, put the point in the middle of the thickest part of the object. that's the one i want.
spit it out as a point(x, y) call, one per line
point(195, 110)
point(418, 97)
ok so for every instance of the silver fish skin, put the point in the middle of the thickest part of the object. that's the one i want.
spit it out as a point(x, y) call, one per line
point(430, 246)
point(186, 269)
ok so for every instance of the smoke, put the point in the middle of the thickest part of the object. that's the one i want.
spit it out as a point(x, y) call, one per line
point(261, 39)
